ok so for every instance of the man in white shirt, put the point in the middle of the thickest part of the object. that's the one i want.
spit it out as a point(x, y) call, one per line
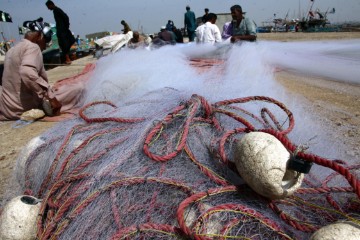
point(209, 32)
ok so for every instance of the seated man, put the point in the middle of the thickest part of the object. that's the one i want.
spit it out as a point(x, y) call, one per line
point(136, 41)
point(25, 84)
point(164, 37)
point(241, 28)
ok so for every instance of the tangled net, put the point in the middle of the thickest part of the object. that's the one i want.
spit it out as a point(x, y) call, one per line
point(163, 169)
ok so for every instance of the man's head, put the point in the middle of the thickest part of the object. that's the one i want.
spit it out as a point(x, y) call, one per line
point(187, 7)
point(39, 33)
point(206, 10)
point(163, 28)
point(236, 12)
point(50, 5)
point(36, 37)
point(212, 18)
point(122, 22)
point(136, 35)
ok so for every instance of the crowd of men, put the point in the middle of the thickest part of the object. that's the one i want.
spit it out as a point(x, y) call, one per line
point(239, 29)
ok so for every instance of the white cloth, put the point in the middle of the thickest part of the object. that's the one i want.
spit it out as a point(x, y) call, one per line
point(208, 33)
point(109, 42)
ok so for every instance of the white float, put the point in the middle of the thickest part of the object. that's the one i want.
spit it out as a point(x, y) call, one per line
point(338, 231)
point(261, 160)
point(18, 219)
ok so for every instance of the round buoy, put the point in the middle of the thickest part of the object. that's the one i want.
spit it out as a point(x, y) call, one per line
point(338, 231)
point(18, 219)
point(261, 160)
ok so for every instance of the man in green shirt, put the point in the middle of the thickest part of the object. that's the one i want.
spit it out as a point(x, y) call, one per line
point(190, 23)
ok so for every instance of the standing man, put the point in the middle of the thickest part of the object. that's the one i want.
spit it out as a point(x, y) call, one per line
point(209, 32)
point(242, 29)
point(190, 23)
point(63, 33)
point(204, 17)
point(25, 85)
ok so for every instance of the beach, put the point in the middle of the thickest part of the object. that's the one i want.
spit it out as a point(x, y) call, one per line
point(337, 102)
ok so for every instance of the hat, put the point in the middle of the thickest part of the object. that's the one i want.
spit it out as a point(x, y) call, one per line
point(163, 27)
point(38, 26)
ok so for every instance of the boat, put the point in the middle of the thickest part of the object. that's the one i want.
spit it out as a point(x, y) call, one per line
point(315, 19)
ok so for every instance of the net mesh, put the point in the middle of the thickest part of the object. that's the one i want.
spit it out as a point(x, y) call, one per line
point(161, 167)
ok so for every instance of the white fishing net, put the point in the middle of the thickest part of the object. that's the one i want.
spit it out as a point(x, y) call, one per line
point(158, 164)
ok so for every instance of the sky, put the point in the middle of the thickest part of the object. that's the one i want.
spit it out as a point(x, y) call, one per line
point(89, 16)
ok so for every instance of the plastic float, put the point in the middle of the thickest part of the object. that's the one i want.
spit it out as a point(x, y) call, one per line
point(338, 231)
point(18, 219)
point(262, 161)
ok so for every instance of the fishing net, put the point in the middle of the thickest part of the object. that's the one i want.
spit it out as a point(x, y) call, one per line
point(148, 159)
point(160, 167)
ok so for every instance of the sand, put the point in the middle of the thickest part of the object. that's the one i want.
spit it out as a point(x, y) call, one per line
point(338, 103)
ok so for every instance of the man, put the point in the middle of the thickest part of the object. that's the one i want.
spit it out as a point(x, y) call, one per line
point(209, 32)
point(169, 25)
point(136, 41)
point(227, 30)
point(190, 23)
point(63, 33)
point(241, 28)
point(25, 84)
point(204, 17)
point(178, 34)
point(167, 36)
point(126, 27)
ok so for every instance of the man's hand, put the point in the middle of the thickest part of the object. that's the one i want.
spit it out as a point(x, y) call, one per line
point(56, 106)
point(51, 106)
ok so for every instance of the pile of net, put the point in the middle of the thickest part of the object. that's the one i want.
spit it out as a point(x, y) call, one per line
point(161, 167)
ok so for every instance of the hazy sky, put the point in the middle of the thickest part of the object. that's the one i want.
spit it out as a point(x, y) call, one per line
point(89, 16)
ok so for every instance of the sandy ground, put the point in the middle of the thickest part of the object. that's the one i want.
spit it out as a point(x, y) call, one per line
point(337, 102)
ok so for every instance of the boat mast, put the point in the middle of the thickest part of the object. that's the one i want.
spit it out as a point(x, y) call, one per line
point(310, 9)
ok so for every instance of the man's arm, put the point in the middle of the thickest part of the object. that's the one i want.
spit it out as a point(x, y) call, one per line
point(217, 34)
point(250, 32)
point(31, 65)
point(243, 38)
point(185, 21)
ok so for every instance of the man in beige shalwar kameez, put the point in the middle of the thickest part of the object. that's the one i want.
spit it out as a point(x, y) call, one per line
point(25, 84)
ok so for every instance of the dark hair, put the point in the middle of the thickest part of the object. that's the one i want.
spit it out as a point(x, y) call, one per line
point(236, 7)
point(49, 2)
point(187, 7)
point(211, 16)
point(206, 9)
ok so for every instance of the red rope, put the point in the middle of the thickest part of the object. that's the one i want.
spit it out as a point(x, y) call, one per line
point(147, 227)
point(194, 198)
point(64, 201)
point(242, 209)
point(107, 119)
